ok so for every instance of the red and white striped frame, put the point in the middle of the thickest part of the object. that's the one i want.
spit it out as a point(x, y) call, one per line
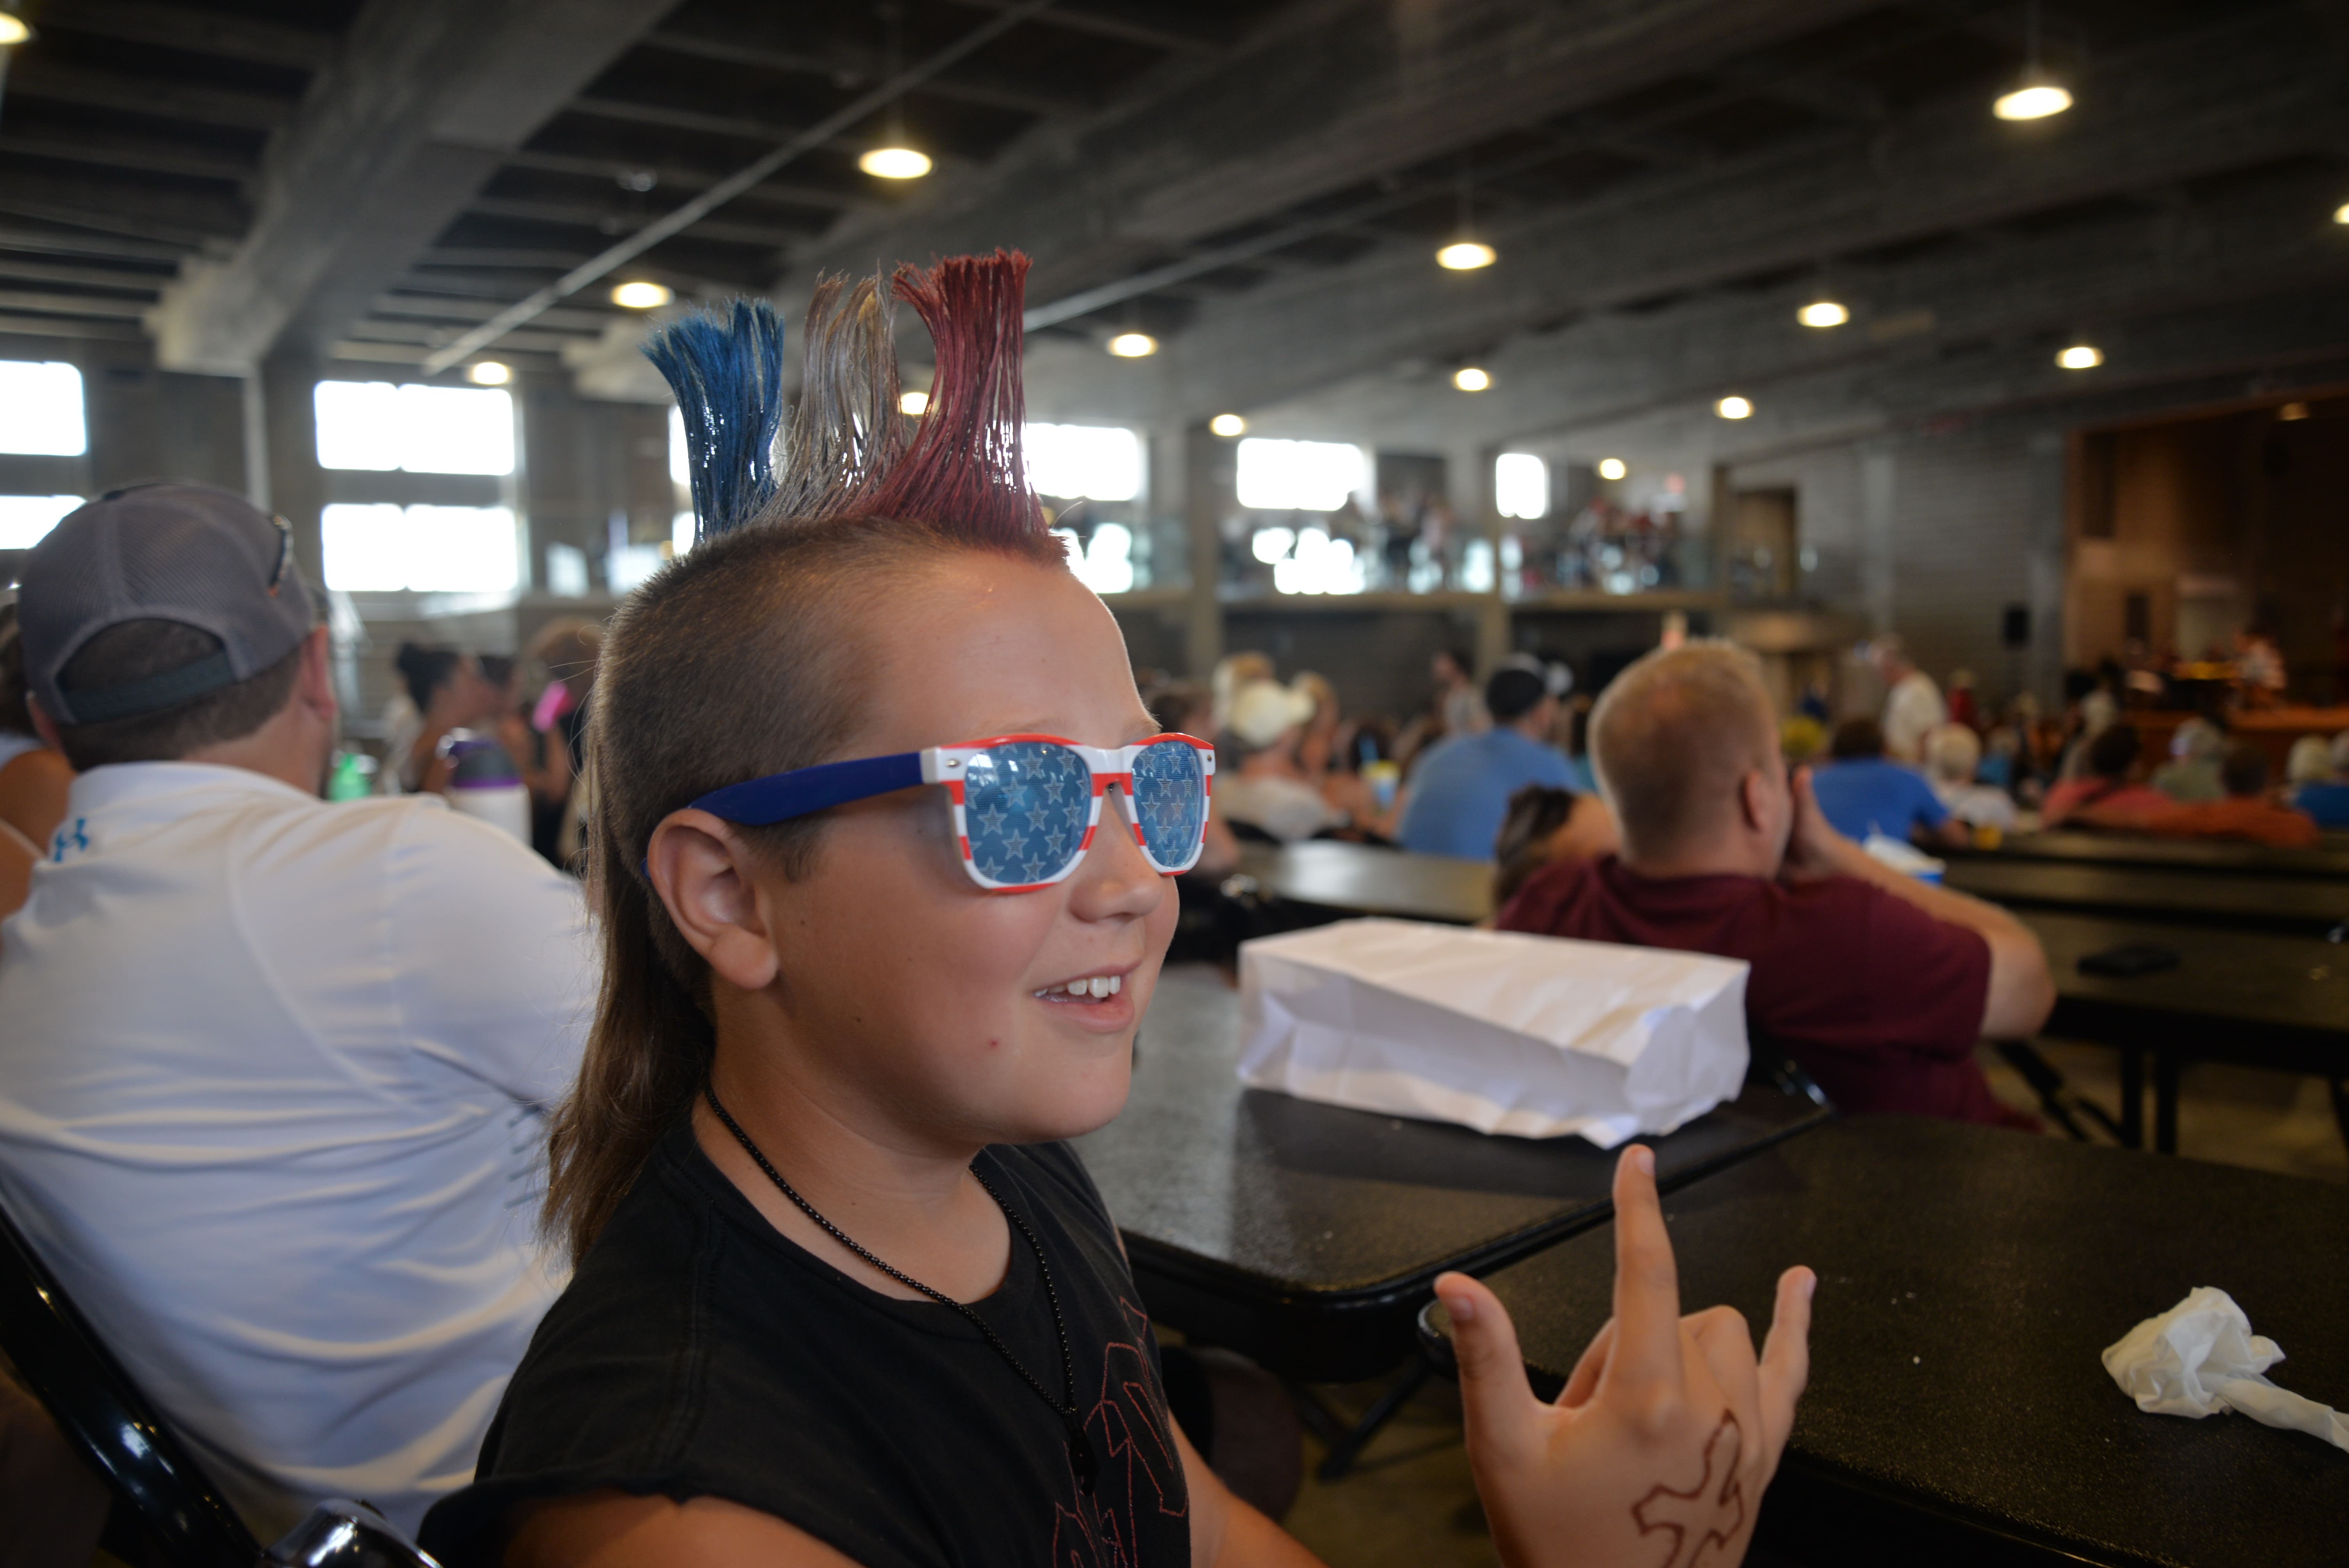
point(945, 764)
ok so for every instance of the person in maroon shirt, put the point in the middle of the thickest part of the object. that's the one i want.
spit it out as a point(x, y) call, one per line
point(1876, 984)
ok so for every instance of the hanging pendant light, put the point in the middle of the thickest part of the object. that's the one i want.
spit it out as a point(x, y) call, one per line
point(2038, 96)
point(895, 158)
point(1464, 252)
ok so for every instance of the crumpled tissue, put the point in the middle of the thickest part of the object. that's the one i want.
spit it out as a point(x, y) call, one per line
point(2200, 1357)
point(1535, 1037)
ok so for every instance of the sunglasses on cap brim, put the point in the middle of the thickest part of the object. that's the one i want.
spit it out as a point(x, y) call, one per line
point(1026, 807)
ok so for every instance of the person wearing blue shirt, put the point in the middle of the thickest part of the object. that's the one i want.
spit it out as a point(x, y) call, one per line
point(2327, 799)
point(1860, 792)
point(1460, 793)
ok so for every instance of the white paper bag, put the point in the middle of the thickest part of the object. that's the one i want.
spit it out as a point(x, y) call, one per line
point(1532, 1036)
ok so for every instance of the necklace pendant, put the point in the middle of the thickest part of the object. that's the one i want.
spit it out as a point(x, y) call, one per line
point(1080, 1458)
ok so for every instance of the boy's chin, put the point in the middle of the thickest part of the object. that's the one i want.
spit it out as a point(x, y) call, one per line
point(1074, 1104)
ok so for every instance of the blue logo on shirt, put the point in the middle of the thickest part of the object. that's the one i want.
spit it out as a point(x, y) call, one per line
point(78, 836)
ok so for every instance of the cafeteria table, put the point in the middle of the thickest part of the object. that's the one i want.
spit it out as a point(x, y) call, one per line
point(1969, 1278)
point(1359, 879)
point(1307, 1236)
point(2245, 997)
point(2329, 859)
point(2206, 896)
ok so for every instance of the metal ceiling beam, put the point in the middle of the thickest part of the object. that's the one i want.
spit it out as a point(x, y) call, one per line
point(2234, 95)
point(227, 37)
point(607, 221)
point(675, 178)
point(17, 269)
point(1329, 98)
point(148, 155)
point(855, 67)
point(1161, 32)
point(421, 106)
point(47, 242)
point(37, 75)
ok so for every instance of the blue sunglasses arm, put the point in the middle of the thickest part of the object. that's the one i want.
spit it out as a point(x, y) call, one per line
point(779, 797)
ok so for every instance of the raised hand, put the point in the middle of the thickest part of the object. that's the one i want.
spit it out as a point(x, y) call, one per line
point(1656, 1454)
point(1813, 848)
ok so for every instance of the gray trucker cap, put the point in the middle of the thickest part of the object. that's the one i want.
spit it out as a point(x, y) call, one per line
point(185, 553)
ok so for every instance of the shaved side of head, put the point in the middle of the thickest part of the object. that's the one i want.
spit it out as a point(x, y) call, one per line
point(1672, 738)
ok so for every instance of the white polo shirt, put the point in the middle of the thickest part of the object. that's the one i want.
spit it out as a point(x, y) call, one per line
point(272, 1082)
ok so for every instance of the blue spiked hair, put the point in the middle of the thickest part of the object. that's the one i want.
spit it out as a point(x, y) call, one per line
point(728, 373)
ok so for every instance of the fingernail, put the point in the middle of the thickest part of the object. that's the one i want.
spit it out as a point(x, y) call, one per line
point(1462, 1308)
point(1643, 1159)
point(1810, 1285)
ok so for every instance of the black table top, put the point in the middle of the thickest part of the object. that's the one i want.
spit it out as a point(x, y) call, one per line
point(2247, 996)
point(2328, 859)
point(1309, 1235)
point(2297, 904)
point(1968, 1280)
point(1362, 880)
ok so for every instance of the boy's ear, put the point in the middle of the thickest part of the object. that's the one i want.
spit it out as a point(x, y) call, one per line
point(701, 871)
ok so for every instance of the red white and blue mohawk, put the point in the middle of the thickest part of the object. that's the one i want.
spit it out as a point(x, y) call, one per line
point(844, 449)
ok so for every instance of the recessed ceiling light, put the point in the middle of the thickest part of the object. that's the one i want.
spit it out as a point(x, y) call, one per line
point(1734, 407)
point(2341, 214)
point(1822, 312)
point(2081, 356)
point(2034, 100)
point(1228, 424)
point(643, 295)
point(1612, 468)
point(895, 164)
point(1134, 346)
point(1469, 378)
point(2293, 411)
point(1466, 255)
point(914, 404)
point(488, 373)
point(13, 30)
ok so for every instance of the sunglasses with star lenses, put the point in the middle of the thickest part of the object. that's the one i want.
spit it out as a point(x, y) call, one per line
point(1025, 806)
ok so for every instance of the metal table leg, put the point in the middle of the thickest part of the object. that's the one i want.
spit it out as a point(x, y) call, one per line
point(2132, 1097)
point(2165, 1101)
point(1346, 1443)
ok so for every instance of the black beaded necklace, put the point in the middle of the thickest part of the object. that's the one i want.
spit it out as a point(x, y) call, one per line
point(1080, 1451)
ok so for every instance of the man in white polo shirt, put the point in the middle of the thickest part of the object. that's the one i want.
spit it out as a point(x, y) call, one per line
point(272, 1070)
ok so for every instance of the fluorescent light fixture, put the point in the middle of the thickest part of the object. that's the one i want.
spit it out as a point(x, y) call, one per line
point(1469, 378)
point(1612, 468)
point(2034, 100)
point(13, 30)
point(895, 164)
point(1734, 407)
point(1822, 312)
point(642, 294)
point(2081, 356)
point(488, 373)
point(1466, 255)
point(1228, 424)
point(1134, 346)
point(913, 405)
point(1521, 485)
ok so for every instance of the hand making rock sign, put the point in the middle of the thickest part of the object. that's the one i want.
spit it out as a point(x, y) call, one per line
point(1657, 1450)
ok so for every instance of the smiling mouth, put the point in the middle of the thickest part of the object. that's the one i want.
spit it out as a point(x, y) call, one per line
point(1091, 988)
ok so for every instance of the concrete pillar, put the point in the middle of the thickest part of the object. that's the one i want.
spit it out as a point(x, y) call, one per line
point(1208, 475)
point(296, 488)
point(1878, 476)
point(1468, 480)
point(2042, 662)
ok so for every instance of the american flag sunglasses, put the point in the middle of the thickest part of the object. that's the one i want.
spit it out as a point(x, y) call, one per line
point(1026, 807)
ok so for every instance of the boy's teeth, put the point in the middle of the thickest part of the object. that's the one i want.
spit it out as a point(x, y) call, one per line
point(1096, 987)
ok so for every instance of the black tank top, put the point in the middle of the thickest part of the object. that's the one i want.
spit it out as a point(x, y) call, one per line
point(699, 1352)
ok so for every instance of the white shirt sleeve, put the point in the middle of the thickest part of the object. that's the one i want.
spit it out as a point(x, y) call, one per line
point(493, 958)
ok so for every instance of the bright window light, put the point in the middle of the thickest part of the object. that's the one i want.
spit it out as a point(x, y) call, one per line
point(566, 571)
point(1272, 544)
point(377, 426)
point(1298, 475)
point(1521, 485)
point(680, 470)
point(26, 519)
point(40, 409)
point(1320, 565)
point(1083, 462)
point(383, 549)
point(1106, 566)
point(680, 535)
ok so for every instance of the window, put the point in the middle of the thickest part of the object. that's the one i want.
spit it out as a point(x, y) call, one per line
point(25, 518)
point(680, 463)
point(40, 409)
point(377, 426)
point(566, 571)
point(1083, 462)
point(427, 549)
point(1521, 485)
point(1298, 476)
point(1106, 565)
